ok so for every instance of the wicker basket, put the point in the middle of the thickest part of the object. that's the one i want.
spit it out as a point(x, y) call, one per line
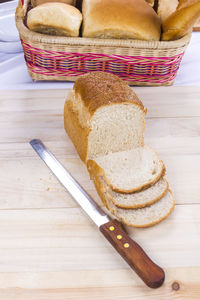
point(138, 62)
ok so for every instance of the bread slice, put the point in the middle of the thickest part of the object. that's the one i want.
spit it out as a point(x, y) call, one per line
point(146, 216)
point(140, 217)
point(128, 171)
point(120, 19)
point(102, 114)
point(55, 19)
point(141, 199)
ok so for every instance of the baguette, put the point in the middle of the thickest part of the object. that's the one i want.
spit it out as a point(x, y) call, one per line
point(166, 8)
point(185, 3)
point(181, 22)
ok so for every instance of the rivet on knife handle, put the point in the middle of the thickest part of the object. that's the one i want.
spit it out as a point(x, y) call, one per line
point(134, 255)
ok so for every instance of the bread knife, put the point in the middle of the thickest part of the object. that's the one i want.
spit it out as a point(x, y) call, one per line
point(112, 229)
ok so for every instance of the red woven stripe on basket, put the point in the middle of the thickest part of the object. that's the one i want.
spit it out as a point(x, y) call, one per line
point(130, 68)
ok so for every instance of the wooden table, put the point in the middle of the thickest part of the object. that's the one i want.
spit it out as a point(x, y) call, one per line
point(49, 249)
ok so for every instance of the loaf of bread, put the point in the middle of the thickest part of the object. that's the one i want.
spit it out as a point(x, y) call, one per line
point(117, 19)
point(181, 22)
point(166, 8)
point(141, 217)
point(102, 114)
point(55, 19)
point(128, 171)
point(38, 2)
point(105, 121)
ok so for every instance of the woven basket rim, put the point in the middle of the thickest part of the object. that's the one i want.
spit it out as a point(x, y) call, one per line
point(28, 35)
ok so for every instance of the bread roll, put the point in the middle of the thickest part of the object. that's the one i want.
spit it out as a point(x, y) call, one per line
point(55, 19)
point(130, 19)
point(166, 8)
point(38, 2)
point(180, 22)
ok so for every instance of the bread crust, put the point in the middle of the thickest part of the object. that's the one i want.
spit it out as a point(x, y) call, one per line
point(185, 3)
point(90, 91)
point(55, 18)
point(101, 190)
point(94, 168)
point(166, 8)
point(134, 19)
point(151, 2)
point(180, 22)
point(97, 89)
point(38, 2)
point(77, 133)
point(147, 203)
point(152, 223)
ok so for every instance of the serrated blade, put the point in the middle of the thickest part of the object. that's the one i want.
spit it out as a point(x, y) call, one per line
point(98, 216)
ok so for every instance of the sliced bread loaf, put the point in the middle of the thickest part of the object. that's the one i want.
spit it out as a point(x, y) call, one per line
point(102, 114)
point(140, 217)
point(139, 199)
point(128, 171)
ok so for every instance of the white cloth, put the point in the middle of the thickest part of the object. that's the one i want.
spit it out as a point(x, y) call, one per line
point(13, 70)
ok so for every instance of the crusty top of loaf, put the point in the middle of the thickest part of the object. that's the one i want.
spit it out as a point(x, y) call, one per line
point(98, 89)
point(134, 19)
point(55, 18)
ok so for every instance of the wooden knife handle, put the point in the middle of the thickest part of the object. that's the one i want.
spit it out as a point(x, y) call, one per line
point(134, 255)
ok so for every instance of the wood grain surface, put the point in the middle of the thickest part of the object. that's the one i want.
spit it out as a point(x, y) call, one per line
point(49, 249)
